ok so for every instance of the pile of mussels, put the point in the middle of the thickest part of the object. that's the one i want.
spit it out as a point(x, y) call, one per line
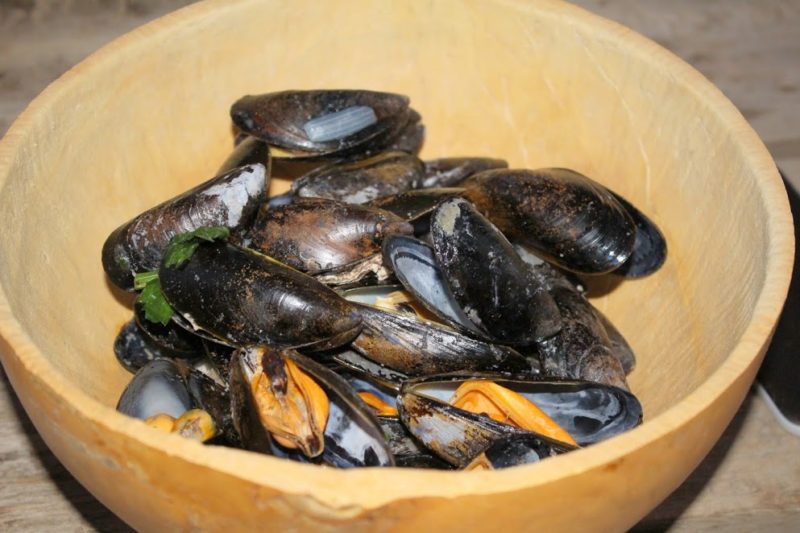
point(386, 310)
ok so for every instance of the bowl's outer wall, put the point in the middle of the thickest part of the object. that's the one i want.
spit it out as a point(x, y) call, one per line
point(541, 84)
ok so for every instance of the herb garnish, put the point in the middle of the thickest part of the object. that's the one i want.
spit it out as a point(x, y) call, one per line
point(180, 249)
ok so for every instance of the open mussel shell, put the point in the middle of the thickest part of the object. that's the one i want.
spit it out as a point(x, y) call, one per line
point(414, 264)
point(491, 284)
point(571, 220)
point(451, 171)
point(582, 349)
point(245, 298)
point(156, 388)
point(213, 397)
point(416, 205)
point(590, 412)
point(649, 247)
point(418, 347)
point(513, 450)
point(455, 435)
point(229, 200)
point(353, 436)
point(316, 234)
point(323, 122)
point(249, 151)
point(358, 182)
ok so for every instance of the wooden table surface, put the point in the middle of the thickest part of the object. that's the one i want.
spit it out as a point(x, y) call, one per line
point(751, 49)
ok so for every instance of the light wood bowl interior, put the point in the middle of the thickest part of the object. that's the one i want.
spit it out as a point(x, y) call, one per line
point(537, 83)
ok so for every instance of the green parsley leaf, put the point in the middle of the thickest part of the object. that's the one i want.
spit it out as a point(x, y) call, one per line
point(181, 247)
point(180, 252)
point(156, 307)
point(141, 279)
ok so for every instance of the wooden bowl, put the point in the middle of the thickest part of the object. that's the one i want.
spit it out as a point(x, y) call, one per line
point(540, 84)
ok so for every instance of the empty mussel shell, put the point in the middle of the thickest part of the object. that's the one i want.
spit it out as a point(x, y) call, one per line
point(491, 284)
point(414, 264)
point(323, 122)
point(450, 171)
point(568, 218)
point(316, 234)
point(358, 182)
point(245, 298)
point(229, 200)
point(156, 388)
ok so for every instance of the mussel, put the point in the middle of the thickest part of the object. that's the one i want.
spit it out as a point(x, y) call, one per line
point(358, 182)
point(316, 234)
point(488, 280)
point(283, 399)
point(323, 123)
point(229, 200)
point(243, 298)
point(451, 171)
point(571, 220)
point(589, 412)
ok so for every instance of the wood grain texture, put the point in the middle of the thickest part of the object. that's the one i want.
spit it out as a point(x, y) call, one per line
point(519, 154)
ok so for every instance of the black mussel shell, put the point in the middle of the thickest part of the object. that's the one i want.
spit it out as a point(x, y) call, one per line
point(417, 347)
point(619, 345)
point(582, 349)
point(411, 137)
point(247, 425)
point(133, 349)
point(282, 119)
point(214, 398)
point(408, 451)
point(569, 219)
point(245, 298)
point(230, 200)
point(451, 171)
point(649, 248)
point(316, 234)
point(157, 388)
point(416, 205)
point(414, 265)
point(249, 151)
point(172, 339)
point(358, 182)
point(513, 450)
point(491, 284)
point(280, 199)
point(371, 371)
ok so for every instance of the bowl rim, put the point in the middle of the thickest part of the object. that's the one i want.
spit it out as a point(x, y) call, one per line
point(364, 486)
